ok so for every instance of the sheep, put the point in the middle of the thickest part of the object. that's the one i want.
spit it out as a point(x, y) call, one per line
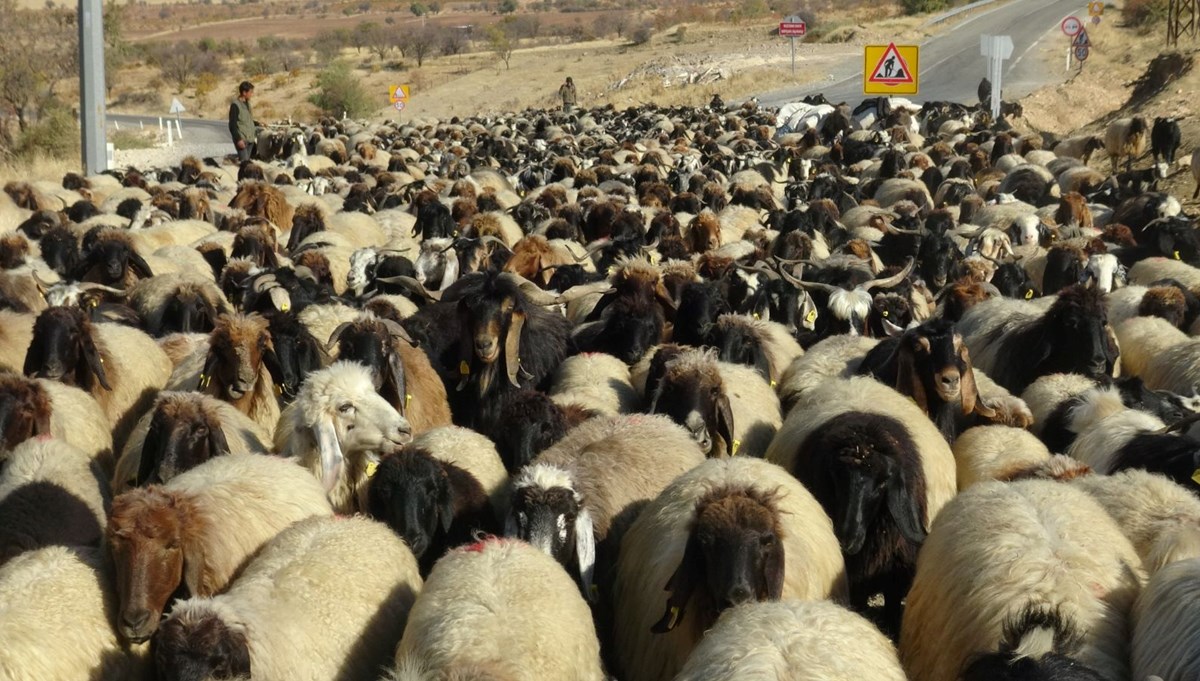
point(1165, 620)
point(16, 332)
point(262, 200)
point(1125, 138)
point(629, 318)
point(50, 494)
point(499, 609)
point(1071, 336)
point(109, 258)
point(1147, 271)
point(56, 619)
point(121, 367)
point(178, 302)
point(763, 344)
point(799, 640)
point(995, 452)
point(1037, 551)
point(326, 598)
point(336, 428)
point(594, 381)
point(1164, 140)
point(1047, 393)
point(726, 532)
point(32, 407)
point(1160, 518)
point(181, 431)
point(188, 533)
point(402, 373)
point(1162, 355)
point(850, 441)
point(238, 365)
point(591, 483)
point(1080, 147)
point(835, 357)
point(473, 453)
point(432, 504)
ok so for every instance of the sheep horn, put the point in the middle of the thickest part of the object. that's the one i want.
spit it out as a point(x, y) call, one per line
point(90, 286)
point(1180, 425)
point(901, 230)
point(337, 335)
point(488, 238)
point(577, 292)
point(531, 290)
point(892, 280)
point(398, 331)
point(759, 267)
point(42, 284)
point(412, 285)
point(591, 250)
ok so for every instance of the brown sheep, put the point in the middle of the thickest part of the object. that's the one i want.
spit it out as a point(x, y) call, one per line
point(262, 200)
point(704, 233)
point(1073, 211)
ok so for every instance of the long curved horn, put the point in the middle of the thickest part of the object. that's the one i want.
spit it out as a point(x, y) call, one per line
point(398, 331)
point(589, 251)
point(532, 291)
point(337, 335)
point(412, 285)
point(759, 267)
point(892, 280)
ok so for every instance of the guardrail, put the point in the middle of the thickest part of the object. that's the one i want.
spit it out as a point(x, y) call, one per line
point(953, 13)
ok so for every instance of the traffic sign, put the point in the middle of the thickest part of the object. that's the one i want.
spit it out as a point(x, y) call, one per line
point(793, 27)
point(176, 106)
point(999, 46)
point(891, 69)
point(1096, 20)
point(1095, 9)
point(399, 104)
point(1072, 25)
point(1081, 40)
point(1081, 52)
point(398, 93)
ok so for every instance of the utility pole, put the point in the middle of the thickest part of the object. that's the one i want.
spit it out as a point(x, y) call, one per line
point(91, 86)
point(1181, 20)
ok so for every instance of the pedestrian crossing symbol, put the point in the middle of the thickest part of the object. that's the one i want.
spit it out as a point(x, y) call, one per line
point(890, 69)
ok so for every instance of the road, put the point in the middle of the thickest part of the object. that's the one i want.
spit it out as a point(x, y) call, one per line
point(951, 65)
point(197, 130)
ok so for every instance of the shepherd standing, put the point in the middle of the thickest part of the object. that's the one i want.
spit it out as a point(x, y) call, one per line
point(241, 122)
point(567, 92)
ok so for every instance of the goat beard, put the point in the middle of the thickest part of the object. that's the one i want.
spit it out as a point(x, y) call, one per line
point(487, 375)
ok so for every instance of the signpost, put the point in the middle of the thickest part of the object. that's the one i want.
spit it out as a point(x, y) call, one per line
point(793, 27)
point(397, 93)
point(996, 48)
point(1071, 26)
point(1096, 9)
point(891, 69)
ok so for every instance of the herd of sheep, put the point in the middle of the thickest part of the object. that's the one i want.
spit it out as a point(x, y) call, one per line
point(716, 394)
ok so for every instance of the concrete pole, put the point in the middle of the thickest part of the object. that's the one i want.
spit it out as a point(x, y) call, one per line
point(997, 74)
point(91, 86)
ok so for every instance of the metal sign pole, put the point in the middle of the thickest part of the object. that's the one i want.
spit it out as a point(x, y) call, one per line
point(91, 86)
point(793, 57)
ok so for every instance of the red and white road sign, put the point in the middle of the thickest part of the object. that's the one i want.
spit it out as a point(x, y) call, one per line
point(793, 29)
point(1072, 25)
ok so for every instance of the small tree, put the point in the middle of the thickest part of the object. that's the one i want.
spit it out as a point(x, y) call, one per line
point(500, 44)
point(452, 41)
point(206, 83)
point(420, 43)
point(177, 64)
point(507, 6)
point(418, 9)
point(339, 90)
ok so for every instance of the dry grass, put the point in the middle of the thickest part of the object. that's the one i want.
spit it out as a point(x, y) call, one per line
point(37, 167)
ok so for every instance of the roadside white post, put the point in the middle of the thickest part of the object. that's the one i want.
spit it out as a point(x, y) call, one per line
point(997, 48)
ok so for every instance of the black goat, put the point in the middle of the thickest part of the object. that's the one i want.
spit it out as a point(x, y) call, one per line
point(297, 351)
point(1164, 139)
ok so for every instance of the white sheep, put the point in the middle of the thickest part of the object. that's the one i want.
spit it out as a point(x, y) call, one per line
point(56, 619)
point(995, 452)
point(336, 427)
point(1046, 394)
point(1125, 138)
point(1163, 356)
point(750, 498)
point(793, 640)
point(1149, 270)
point(326, 598)
point(1166, 625)
point(473, 453)
point(835, 357)
point(999, 549)
point(757, 414)
point(1160, 518)
point(499, 609)
point(1105, 426)
point(595, 381)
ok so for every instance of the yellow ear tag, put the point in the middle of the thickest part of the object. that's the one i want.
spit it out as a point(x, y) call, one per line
point(285, 307)
point(464, 368)
point(203, 381)
point(674, 617)
point(278, 390)
point(774, 383)
point(371, 468)
point(407, 399)
point(95, 303)
point(811, 316)
point(1029, 295)
point(736, 444)
point(1196, 477)
point(756, 316)
point(1176, 254)
point(884, 313)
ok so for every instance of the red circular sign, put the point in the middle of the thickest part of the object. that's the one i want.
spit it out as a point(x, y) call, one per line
point(1072, 25)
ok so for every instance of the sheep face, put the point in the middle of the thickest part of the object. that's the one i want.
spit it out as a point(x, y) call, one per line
point(737, 343)
point(1078, 323)
point(734, 555)
point(1014, 282)
point(437, 264)
point(24, 410)
point(182, 435)
point(63, 349)
point(1105, 272)
point(60, 250)
point(690, 391)
point(532, 423)
point(890, 315)
point(938, 255)
point(362, 263)
point(297, 352)
point(549, 513)
point(145, 537)
point(195, 644)
point(188, 311)
point(108, 261)
point(238, 348)
point(933, 362)
point(411, 492)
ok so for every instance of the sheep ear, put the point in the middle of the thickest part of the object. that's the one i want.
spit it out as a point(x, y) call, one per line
point(971, 401)
point(218, 445)
point(41, 422)
point(236, 651)
point(907, 380)
point(585, 551)
point(446, 507)
point(763, 365)
point(396, 368)
point(330, 451)
point(773, 572)
point(449, 274)
point(92, 355)
point(33, 359)
point(725, 423)
point(904, 506)
point(512, 348)
point(274, 368)
point(681, 585)
point(206, 374)
point(152, 451)
point(139, 265)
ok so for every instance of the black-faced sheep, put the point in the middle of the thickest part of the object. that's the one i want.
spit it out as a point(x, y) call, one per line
point(999, 549)
point(727, 532)
point(178, 302)
point(187, 534)
point(326, 598)
point(33, 407)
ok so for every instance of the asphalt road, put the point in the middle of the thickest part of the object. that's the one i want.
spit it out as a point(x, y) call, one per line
point(951, 65)
point(197, 130)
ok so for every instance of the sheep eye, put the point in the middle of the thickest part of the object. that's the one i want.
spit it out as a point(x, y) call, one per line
point(346, 408)
point(767, 540)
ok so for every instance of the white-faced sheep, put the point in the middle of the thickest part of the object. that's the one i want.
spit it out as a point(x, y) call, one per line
point(191, 533)
point(327, 598)
point(56, 614)
point(337, 426)
point(121, 367)
point(796, 640)
point(32, 407)
point(727, 532)
point(50, 494)
point(587, 488)
point(1166, 624)
point(182, 431)
point(499, 609)
point(1038, 558)
point(1126, 138)
point(879, 468)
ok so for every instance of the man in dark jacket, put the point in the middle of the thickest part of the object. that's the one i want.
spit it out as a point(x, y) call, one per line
point(567, 92)
point(241, 122)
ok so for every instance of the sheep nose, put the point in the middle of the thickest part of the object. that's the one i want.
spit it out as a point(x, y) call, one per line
point(738, 593)
point(135, 621)
point(949, 382)
point(484, 346)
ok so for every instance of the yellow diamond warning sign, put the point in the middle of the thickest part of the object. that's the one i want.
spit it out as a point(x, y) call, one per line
point(890, 69)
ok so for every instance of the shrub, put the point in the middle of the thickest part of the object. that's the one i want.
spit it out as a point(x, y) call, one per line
point(339, 90)
point(56, 134)
point(1143, 13)
point(641, 34)
point(919, 6)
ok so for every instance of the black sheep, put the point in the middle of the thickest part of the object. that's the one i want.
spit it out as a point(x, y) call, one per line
point(1164, 139)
